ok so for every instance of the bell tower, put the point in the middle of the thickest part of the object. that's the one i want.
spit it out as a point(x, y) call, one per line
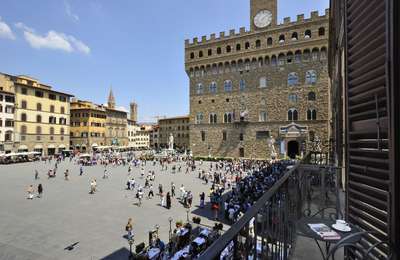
point(263, 14)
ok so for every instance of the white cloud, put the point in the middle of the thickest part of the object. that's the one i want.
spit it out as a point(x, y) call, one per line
point(5, 31)
point(69, 12)
point(53, 40)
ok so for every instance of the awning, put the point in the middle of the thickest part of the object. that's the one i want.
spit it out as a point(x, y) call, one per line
point(38, 146)
point(51, 146)
point(61, 146)
point(95, 145)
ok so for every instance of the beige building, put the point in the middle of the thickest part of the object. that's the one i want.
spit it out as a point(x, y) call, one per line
point(41, 117)
point(116, 124)
point(88, 125)
point(178, 127)
point(247, 86)
point(7, 104)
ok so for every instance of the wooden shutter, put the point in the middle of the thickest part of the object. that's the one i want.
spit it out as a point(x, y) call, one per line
point(368, 171)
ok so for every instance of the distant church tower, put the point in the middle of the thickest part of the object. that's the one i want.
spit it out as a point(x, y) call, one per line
point(133, 111)
point(111, 100)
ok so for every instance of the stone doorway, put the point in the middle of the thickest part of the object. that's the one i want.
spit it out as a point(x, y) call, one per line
point(293, 149)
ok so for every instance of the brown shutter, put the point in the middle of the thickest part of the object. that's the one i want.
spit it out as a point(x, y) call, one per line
point(368, 171)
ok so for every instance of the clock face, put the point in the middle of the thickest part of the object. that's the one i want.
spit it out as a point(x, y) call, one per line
point(263, 19)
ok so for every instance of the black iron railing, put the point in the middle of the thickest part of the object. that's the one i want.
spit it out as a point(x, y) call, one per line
point(267, 230)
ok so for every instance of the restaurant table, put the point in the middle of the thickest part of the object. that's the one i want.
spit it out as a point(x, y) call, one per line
point(199, 241)
point(182, 253)
point(205, 232)
point(305, 231)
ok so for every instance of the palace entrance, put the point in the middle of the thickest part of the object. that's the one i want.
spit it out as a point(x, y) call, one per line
point(293, 149)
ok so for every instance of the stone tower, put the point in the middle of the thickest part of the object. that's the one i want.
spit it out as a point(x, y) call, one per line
point(133, 108)
point(111, 100)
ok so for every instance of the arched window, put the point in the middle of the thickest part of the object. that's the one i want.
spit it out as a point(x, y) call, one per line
point(293, 98)
point(209, 52)
point(238, 47)
point(228, 117)
point(289, 57)
point(311, 77)
point(293, 79)
point(23, 117)
point(281, 59)
point(228, 49)
point(38, 130)
point(311, 96)
point(62, 110)
point(191, 72)
point(258, 44)
point(297, 56)
point(262, 117)
point(295, 36)
point(273, 60)
point(23, 129)
point(269, 41)
point(51, 130)
point(214, 69)
point(199, 89)
point(323, 53)
point(247, 65)
point(247, 45)
point(307, 34)
point(266, 61)
point(213, 118)
point(263, 82)
point(200, 54)
point(321, 31)
point(228, 86)
point(8, 136)
point(306, 55)
point(38, 118)
point(293, 115)
point(199, 118)
point(219, 50)
point(260, 62)
point(213, 87)
point(62, 131)
point(281, 38)
point(39, 107)
point(315, 54)
point(311, 114)
point(192, 55)
point(52, 108)
point(242, 85)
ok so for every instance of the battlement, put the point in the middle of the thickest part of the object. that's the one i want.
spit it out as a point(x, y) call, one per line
point(314, 16)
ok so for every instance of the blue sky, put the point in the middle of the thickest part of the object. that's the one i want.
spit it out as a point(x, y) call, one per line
point(137, 47)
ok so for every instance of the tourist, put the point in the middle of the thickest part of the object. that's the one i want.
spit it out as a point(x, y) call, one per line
point(202, 198)
point(93, 185)
point(168, 200)
point(151, 192)
point(80, 171)
point(105, 174)
point(36, 175)
point(162, 198)
point(129, 228)
point(182, 190)
point(40, 190)
point(160, 189)
point(189, 199)
point(66, 174)
point(139, 196)
point(30, 192)
point(172, 189)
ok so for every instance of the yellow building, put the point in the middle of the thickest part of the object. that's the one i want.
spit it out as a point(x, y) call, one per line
point(87, 125)
point(41, 116)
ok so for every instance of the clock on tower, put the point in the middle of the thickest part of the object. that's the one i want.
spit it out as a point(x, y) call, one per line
point(263, 14)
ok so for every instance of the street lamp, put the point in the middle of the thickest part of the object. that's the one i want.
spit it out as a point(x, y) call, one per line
point(170, 219)
point(130, 241)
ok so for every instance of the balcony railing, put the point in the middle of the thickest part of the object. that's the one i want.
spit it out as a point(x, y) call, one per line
point(267, 230)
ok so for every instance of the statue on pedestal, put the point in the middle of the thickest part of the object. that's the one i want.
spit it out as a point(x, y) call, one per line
point(171, 142)
point(271, 144)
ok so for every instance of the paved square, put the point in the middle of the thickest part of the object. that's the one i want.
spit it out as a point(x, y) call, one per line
point(41, 228)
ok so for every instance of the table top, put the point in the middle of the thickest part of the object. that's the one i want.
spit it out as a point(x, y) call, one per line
point(306, 231)
point(153, 252)
point(199, 241)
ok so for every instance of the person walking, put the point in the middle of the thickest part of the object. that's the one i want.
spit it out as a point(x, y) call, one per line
point(129, 228)
point(160, 189)
point(168, 200)
point(66, 175)
point(40, 190)
point(36, 175)
point(30, 192)
point(151, 192)
point(80, 171)
point(172, 189)
point(140, 196)
point(202, 198)
point(162, 197)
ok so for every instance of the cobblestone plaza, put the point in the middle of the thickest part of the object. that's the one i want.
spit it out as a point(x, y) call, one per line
point(43, 227)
